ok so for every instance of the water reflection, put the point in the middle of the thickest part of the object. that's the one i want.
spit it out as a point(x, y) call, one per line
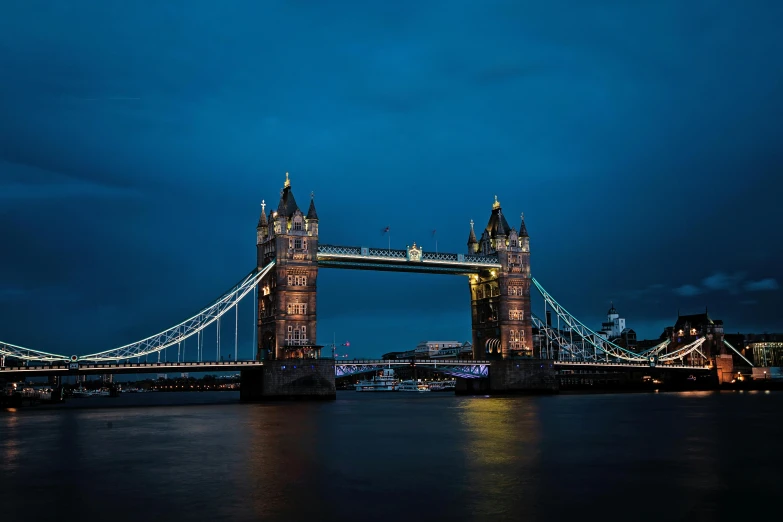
point(501, 449)
point(438, 457)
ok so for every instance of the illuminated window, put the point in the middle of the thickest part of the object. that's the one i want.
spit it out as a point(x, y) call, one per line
point(515, 315)
point(296, 335)
point(297, 308)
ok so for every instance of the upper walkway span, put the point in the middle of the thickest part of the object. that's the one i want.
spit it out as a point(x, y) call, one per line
point(410, 260)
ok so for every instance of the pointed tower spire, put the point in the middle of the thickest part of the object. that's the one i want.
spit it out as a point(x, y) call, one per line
point(522, 227)
point(262, 220)
point(311, 213)
point(501, 228)
point(472, 241)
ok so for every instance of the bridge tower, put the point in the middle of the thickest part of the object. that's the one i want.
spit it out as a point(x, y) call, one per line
point(287, 298)
point(500, 298)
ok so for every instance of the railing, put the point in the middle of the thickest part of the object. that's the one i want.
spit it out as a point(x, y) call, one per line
point(402, 255)
point(339, 250)
point(391, 254)
point(481, 260)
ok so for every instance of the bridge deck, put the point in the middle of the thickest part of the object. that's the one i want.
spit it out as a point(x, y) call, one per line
point(164, 367)
point(364, 258)
point(471, 368)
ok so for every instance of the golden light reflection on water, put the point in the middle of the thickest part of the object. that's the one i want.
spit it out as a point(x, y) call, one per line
point(280, 456)
point(502, 447)
point(9, 441)
point(499, 428)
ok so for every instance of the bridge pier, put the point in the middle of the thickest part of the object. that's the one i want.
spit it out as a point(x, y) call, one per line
point(305, 379)
point(513, 376)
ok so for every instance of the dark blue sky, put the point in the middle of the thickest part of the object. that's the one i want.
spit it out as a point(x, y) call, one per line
point(137, 139)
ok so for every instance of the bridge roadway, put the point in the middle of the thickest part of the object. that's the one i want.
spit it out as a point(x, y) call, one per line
point(465, 368)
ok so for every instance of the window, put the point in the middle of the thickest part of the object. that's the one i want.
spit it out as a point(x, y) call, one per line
point(296, 335)
point(297, 280)
point(298, 243)
point(297, 225)
point(515, 315)
point(297, 309)
point(304, 244)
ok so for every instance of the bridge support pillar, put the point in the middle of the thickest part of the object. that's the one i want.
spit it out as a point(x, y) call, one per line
point(513, 376)
point(307, 379)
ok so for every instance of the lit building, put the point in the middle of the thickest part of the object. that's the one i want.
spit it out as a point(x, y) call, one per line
point(434, 350)
point(689, 328)
point(614, 329)
point(763, 349)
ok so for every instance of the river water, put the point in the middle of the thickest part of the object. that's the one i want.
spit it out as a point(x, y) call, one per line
point(376, 457)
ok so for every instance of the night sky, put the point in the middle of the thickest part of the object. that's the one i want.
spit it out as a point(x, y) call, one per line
point(137, 140)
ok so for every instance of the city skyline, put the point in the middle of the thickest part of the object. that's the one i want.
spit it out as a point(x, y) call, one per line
point(131, 173)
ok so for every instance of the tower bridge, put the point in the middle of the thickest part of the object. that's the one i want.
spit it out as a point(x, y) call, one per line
point(289, 255)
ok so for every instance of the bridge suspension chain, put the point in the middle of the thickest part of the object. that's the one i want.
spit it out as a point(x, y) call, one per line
point(600, 345)
point(27, 354)
point(193, 326)
point(590, 346)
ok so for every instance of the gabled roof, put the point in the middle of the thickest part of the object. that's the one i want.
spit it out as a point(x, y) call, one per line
point(693, 321)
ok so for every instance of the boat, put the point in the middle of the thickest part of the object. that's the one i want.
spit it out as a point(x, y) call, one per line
point(384, 381)
point(413, 386)
point(448, 385)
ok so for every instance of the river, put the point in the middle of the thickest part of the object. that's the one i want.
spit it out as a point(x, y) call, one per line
point(376, 457)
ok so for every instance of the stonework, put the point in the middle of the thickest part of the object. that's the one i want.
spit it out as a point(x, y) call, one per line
point(500, 298)
point(287, 297)
point(299, 379)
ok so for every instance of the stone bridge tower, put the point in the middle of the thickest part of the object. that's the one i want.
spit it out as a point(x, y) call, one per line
point(500, 298)
point(287, 297)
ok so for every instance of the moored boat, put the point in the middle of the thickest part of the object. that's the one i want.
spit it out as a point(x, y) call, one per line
point(413, 386)
point(385, 381)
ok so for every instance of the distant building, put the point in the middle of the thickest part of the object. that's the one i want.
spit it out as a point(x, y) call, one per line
point(689, 328)
point(434, 350)
point(454, 350)
point(427, 349)
point(763, 350)
point(614, 329)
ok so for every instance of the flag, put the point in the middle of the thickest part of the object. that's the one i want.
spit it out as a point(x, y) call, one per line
point(433, 232)
point(384, 230)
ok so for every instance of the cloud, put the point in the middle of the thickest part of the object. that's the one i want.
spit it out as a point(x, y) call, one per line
point(722, 281)
point(688, 290)
point(761, 285)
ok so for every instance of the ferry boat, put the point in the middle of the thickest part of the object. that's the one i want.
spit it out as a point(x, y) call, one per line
point(413, 386)
point(385, 381)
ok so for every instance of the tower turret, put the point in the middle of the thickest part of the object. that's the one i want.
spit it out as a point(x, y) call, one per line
point(501, 316)
point(287, 299)
point(312, 217)
point(262, 229)
point(472, 241)
point(500, 235)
